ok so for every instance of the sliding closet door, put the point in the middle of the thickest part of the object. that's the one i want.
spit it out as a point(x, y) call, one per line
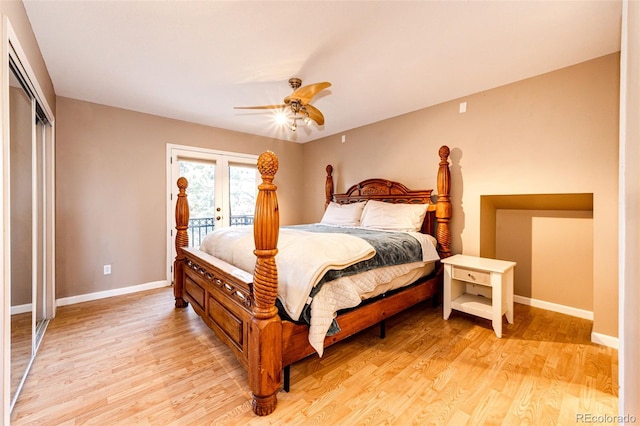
point(21, 224)
point(27, 215)
point(30, 207)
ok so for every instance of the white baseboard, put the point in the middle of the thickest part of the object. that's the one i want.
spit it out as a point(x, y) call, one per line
point(21, 309)
point(554, 307)
point(110, 293)
point(605, 340)
point(600, 339)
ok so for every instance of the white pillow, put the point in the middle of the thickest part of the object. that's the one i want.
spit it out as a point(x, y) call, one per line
point(399, 217)
point(343, 214)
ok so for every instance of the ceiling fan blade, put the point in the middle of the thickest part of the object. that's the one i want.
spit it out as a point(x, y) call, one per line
point(305, 93)
point(315, 114)
point(262, 107)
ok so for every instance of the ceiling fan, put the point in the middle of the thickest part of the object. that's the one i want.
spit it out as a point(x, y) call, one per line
point(298, 103)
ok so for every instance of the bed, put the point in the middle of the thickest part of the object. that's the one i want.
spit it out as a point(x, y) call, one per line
point(240, 307)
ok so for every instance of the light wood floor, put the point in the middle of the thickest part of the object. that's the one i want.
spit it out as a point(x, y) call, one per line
point(134, 359)
point(20, 347)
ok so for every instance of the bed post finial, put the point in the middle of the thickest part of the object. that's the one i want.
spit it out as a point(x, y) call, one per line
point(265, 331)
point(443, 206)
point(328, 186)
point(182, 240)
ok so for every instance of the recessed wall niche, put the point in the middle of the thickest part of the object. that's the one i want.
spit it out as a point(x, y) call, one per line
point(550, 236)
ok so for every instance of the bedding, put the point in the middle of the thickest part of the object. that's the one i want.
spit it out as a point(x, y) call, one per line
point(297, 275)
point(391, 247)
point(398, 217)
point(349, 291)
point(343, 214)
point(401, 258)
point(315, 289)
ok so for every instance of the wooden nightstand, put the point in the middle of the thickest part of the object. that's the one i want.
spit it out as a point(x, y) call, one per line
point(479, 286)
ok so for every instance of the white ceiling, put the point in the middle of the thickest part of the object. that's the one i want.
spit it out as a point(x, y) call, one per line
point(196, 60)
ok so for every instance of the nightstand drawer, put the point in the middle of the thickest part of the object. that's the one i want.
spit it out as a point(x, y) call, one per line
point(471, 275)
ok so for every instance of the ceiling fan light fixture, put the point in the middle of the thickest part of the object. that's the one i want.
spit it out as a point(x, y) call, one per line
point(298, 103)
point(281, 117)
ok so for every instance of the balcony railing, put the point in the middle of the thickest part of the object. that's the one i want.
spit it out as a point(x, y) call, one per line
point(199, 227)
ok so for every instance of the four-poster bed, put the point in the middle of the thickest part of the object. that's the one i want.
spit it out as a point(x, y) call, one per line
point(241, 308)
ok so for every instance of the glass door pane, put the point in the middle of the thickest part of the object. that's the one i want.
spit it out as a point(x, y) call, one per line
point(201, 197)
point(243, 189)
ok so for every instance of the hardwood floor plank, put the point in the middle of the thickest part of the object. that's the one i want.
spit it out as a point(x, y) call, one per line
point(136, 360)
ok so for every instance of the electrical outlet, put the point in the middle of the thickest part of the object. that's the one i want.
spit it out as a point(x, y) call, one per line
point(107, 269)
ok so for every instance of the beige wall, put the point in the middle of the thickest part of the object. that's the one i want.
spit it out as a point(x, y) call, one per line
point(554, 133)
point(110, 188)
point(539, 240)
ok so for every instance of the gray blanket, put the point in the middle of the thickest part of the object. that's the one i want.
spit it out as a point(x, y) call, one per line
point(392, 248)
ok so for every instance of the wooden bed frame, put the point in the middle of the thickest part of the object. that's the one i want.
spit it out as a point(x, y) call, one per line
point(241, 309)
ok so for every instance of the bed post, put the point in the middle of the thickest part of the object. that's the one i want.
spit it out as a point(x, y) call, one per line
point(265, 330)
point(328, 186)
point(182, 240)
point(443, 206)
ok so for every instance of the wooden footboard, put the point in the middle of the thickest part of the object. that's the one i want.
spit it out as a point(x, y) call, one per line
point(221, 297)
point(240, 308)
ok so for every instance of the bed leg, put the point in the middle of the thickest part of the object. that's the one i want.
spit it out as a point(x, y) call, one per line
point(265, 363)
point(435, 301)
point(178, 284)
point(383, 329)
point(286, 372)
point(178, 281)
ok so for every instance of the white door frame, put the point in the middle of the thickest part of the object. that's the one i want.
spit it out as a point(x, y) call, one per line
point(222, 159)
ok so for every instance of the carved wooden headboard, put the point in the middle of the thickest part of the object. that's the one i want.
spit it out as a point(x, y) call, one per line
point(436, 221)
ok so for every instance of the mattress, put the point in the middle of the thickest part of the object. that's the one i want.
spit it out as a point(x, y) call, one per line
point(348, 292)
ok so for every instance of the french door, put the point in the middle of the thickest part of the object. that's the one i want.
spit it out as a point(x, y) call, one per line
point(222, 191)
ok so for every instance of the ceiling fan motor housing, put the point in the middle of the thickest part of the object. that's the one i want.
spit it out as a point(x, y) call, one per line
point(295, 83)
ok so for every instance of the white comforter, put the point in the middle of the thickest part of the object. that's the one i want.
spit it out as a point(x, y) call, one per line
point(298, 271)
point(348, 292)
